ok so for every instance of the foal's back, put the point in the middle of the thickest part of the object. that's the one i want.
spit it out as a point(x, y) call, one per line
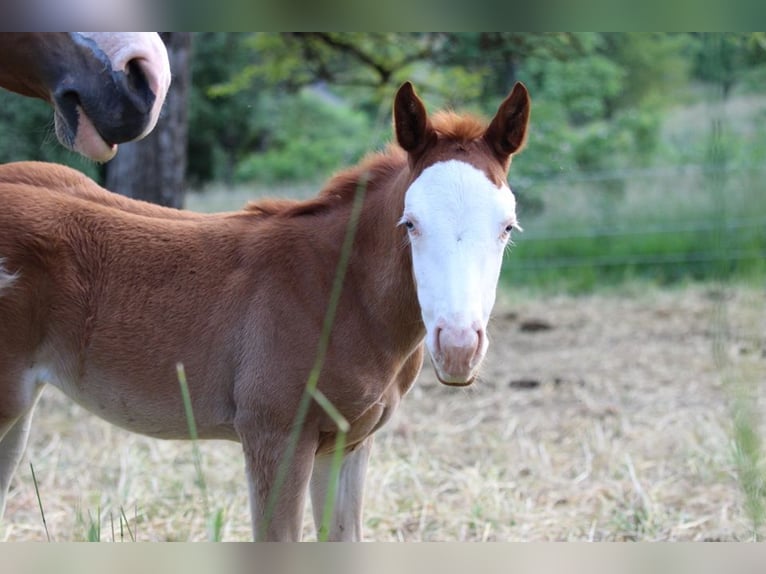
point(103, 303)
point(63, 180)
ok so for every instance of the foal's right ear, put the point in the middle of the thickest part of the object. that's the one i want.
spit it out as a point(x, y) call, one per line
point(413, 131)
point(507, 133)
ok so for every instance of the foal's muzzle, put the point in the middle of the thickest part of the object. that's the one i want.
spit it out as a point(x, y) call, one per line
point(457, 353)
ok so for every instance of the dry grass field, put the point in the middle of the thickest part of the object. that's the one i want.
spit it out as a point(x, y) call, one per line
point(599, 417)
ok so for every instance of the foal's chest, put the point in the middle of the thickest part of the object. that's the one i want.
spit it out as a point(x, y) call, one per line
point(380, 410)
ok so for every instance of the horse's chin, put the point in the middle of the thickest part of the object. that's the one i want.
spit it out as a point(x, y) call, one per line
point(83, 137)
point(454, 382)
point(454, 379)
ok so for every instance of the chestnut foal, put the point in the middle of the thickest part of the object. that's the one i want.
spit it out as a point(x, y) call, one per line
point(102, 296)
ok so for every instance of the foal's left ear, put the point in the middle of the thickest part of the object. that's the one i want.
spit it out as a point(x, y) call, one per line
point(507, 133)
point(413, 131)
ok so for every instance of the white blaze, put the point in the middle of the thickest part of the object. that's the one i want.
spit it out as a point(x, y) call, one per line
point(457, 221)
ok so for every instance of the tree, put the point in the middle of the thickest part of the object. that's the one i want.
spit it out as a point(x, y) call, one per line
point(722, 58)
point(226, 121)
point(154, 169)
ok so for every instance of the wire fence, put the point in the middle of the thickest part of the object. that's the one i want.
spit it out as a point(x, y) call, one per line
point(674, 221)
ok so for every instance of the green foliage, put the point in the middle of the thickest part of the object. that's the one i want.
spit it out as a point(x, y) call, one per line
point(28, 134)
point(223, 124)
point(656, 66)
point(297, 123)
point(583, 86)
point(721, 58)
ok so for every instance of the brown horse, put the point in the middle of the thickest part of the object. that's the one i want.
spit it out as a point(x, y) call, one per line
point(102, 296)
point(105, 88)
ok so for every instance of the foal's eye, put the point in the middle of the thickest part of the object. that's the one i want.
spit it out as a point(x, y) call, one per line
point(409, 224)
point(508, 228)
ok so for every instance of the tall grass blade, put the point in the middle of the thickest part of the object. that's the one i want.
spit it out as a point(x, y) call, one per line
point(39, 501)
point(94, 526)
point(193, 434)
point(214, 521)
point(124, 518)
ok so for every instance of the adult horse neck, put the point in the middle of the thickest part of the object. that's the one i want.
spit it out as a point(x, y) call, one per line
point(105, 88)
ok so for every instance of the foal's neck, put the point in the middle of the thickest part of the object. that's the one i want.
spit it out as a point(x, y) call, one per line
point(382, 248)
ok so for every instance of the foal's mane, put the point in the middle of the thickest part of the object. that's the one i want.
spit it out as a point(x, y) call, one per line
point(340, 189)
point(374, 167)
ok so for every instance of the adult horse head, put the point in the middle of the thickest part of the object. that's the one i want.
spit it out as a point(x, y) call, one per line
point(105, 88)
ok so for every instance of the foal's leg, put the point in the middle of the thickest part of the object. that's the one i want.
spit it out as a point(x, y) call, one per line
point(280, 519)
point(346, 522)
point(13, 440)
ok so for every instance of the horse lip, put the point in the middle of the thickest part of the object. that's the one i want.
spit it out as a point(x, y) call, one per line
point(81, 135)
point(467, 383)
point(76, 109)
point(461, 382)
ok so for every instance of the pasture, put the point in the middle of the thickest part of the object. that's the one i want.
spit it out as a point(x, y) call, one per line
point(633, 411)
point(597, 417)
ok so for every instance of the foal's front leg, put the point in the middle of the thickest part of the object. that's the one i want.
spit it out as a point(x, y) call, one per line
point(346, 522)
point(280, 519)
point(14, 432)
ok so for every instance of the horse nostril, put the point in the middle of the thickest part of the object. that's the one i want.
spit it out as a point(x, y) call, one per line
point(479, 345)
point(137, 81)
point(69, 97)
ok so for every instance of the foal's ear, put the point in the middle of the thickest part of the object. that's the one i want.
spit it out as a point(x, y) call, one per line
point(413, 131)
point(507, 133)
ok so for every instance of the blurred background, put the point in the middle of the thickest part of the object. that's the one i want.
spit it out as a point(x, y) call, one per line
point(645, 156)
point(623, 395)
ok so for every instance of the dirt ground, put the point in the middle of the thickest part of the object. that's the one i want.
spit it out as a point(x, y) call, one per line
point(600, 417)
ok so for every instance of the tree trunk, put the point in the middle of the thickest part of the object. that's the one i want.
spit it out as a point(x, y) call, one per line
point(154, 169)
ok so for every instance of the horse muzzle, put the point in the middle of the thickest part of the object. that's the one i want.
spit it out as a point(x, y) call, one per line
point(457, 353)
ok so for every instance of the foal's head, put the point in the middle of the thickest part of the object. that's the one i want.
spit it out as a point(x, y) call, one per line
point(459, 213)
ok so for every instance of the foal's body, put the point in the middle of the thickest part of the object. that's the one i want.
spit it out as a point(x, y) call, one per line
point(120, 327)
point(103, 296)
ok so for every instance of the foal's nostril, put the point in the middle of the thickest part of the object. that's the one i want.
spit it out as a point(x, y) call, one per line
point(458, 349)
point(479, 339)
point(479, 346)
